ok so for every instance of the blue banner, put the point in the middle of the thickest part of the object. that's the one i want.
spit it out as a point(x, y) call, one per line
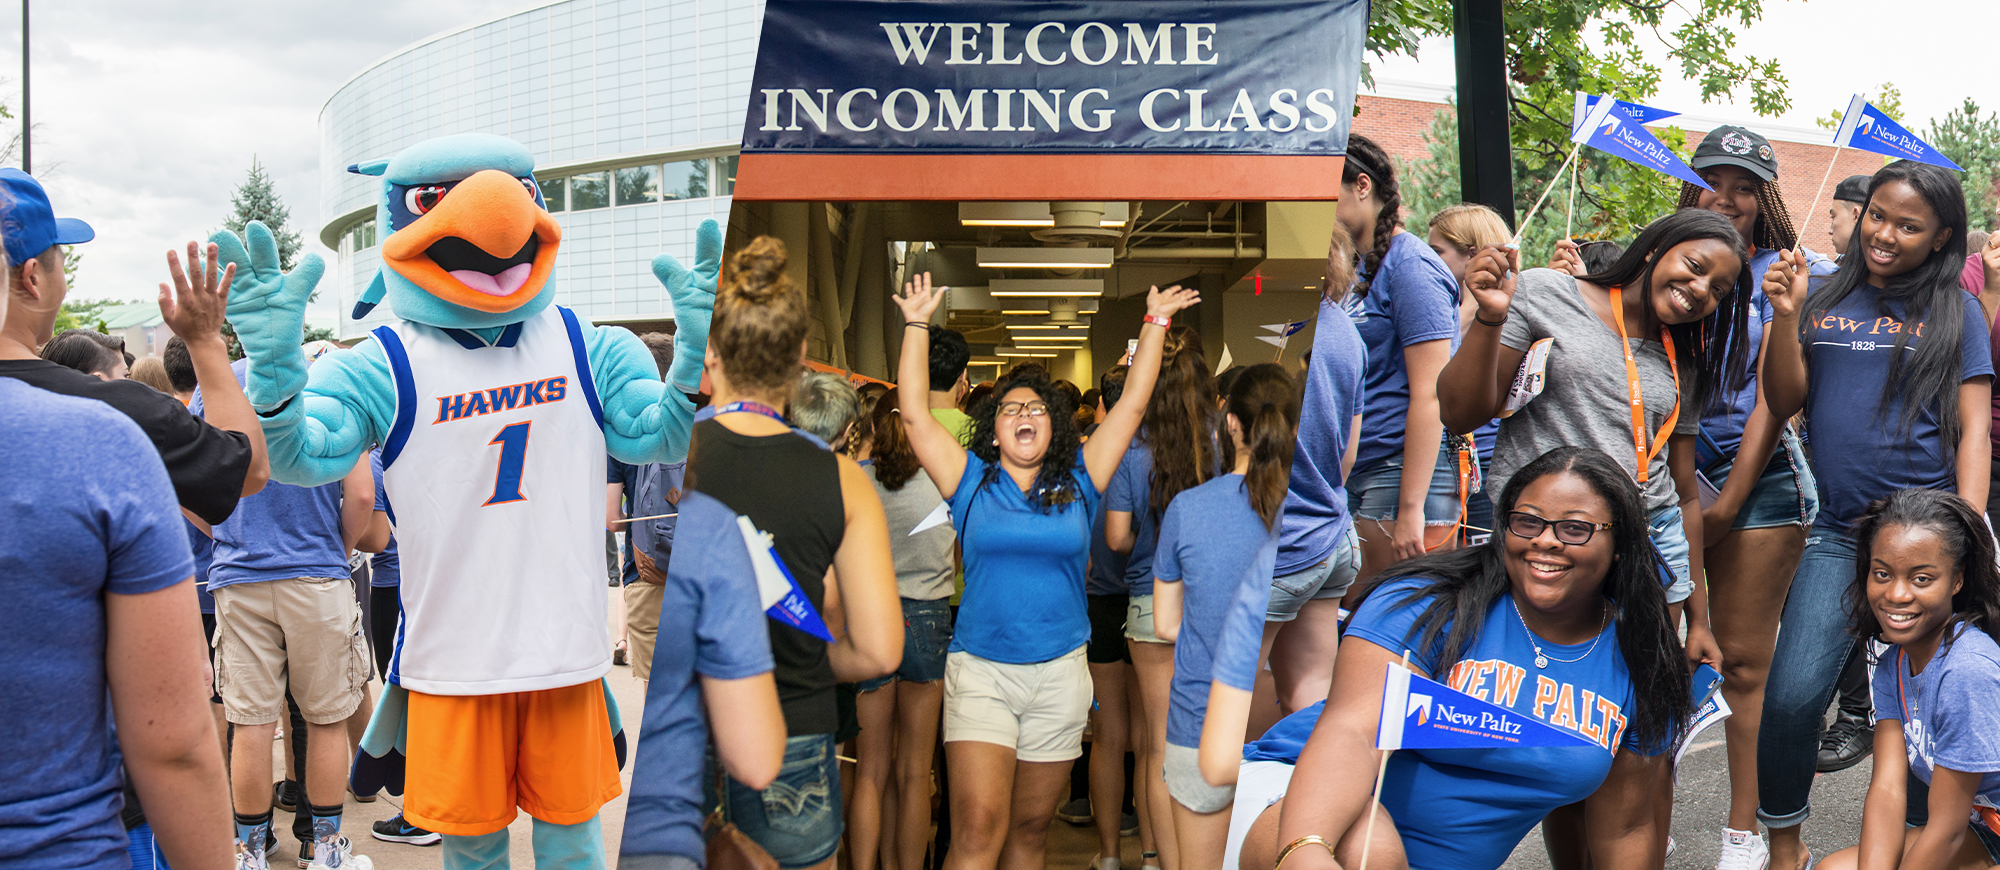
point(779, 591)
point(1056, 76)
point(1615, 127)
point(1865, 127)
point(1420, 713)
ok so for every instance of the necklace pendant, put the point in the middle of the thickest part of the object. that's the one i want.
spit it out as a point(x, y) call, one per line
point(1541, 661)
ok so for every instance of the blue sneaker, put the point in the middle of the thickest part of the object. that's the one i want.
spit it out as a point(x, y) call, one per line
point(395, 830)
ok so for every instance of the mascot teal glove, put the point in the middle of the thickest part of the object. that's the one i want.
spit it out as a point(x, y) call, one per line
point(693, 295)
point(268, 309)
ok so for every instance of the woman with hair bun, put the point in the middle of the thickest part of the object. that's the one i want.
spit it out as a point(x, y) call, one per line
point(1022, 495)
point(1212, 609)
point(822, 513)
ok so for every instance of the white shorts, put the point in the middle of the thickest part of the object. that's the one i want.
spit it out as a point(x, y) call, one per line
point(1259, 784)
point(1038, 710)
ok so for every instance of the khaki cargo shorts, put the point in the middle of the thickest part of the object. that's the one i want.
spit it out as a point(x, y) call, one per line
point(303, 633)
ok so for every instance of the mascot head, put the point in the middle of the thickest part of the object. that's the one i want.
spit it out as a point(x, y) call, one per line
point(467, 240)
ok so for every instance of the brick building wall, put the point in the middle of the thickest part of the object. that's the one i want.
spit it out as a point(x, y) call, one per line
point(1402, 127)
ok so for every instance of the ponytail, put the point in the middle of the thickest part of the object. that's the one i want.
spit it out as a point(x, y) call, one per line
point(1265, 402)
point(1178, 421)
point(1364, 157)
point(895, 460)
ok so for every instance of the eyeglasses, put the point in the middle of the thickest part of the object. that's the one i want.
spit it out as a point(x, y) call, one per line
point(1572, 532)
point(1024, 409)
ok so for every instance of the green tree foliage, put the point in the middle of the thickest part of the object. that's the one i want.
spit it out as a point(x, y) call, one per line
point(1971, 138)
point(1556, 48)
point(256, 199)
point(1888, 98)
point(83, 313)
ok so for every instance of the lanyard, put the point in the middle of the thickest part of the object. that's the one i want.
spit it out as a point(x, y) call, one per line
point(751, 407)
point(1638, 400)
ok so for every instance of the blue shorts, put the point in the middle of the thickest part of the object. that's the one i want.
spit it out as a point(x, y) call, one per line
point(1785, 495)
point(1664, 526)
point(926, 633)
point(1373, 490)
point(798, 818)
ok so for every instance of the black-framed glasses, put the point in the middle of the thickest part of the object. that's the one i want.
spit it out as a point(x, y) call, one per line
point(1024, 409)
point(1573, 532)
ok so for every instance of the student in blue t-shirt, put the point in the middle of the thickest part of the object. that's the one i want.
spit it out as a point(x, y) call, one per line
point(1022, 493)
point(1571, 628)
point(1174, 451)
point(100, 643)
point(1217, 544)
point(1930, 592)
point(712, 668)
point(1404, 489)
point(1318, 556)
point(1889, 360)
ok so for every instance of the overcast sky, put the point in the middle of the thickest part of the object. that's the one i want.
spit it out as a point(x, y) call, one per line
point(148, 113)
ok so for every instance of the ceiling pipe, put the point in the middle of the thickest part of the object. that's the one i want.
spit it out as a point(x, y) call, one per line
point(1235, 253)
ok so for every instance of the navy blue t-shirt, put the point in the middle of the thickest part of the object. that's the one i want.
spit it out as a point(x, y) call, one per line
point(1729, 410)
point(202, 548)
point(1859, 454)
point(1469, 807)
point(86, 510)
point(1315, 517)
point(1217, 547)
point(1411, 299)
point(710, 626)
point(1023, 599)
point(386, 569)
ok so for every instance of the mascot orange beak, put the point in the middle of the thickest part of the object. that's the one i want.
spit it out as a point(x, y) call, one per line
point(485, 246)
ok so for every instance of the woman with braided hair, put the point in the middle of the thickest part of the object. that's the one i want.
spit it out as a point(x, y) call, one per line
point(1404, 488)
point(1761, 492)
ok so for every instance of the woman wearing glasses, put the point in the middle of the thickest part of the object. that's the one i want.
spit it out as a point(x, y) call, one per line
point(1559, 617)
point(1022, 496)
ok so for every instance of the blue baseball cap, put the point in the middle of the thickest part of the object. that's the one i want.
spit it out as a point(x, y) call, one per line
point(29, 223)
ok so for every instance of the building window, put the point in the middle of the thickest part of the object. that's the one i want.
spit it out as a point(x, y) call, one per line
point(552, 193)
point(687, 179)
point(362, 236)
point(725, 171)
point(637, 184)
point(589, 191)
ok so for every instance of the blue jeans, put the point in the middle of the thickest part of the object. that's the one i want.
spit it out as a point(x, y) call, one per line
point(798, 818)
point(1813, 643)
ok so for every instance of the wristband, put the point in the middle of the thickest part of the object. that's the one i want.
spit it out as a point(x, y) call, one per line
point(1484, 322)
point(927, 327)
point(1161, 322)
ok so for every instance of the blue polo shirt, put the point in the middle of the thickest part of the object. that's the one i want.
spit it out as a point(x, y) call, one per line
point(1024, 566)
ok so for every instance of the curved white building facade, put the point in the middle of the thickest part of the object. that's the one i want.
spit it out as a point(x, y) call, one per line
point(633, 109)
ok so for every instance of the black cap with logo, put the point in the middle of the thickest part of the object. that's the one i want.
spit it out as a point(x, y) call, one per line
point(1736, 146)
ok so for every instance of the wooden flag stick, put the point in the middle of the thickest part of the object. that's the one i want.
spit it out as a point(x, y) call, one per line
point(1382, 772)
point(1523, 230)
point(1799, 245)
point(654, 517)
point(1569, 213)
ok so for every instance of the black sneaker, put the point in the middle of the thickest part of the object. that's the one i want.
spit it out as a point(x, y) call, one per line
point(396, 830)
point(1845, 743)
point(285, 795)
point(1076, 812)
point(1128, 825)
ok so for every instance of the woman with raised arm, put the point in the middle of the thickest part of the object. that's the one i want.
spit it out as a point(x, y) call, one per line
point(1022, 496)
point(1889, 360)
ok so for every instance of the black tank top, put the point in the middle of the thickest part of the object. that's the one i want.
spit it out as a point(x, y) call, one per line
point(789, 487)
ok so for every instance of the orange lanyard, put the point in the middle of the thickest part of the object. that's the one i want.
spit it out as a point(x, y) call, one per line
point(1638, 400)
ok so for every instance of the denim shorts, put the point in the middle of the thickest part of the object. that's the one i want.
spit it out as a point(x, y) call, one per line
point(1139, 620)
point(926, 633)
point(1664, 526)
point(1785, 495)
point(1328, 579)
point(798, 818)
point(1373, 489)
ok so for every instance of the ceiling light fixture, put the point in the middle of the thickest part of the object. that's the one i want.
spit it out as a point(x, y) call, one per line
point(1015, 351)
point(1029, 214)
point(1044, 287)
point(1044, 258)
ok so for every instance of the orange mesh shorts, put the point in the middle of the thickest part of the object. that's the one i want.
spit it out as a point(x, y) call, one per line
point(474, 758)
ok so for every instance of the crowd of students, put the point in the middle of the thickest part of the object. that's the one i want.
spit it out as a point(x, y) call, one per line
point(1704, 445)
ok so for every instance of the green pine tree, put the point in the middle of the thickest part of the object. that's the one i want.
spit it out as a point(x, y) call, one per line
point(256, 199)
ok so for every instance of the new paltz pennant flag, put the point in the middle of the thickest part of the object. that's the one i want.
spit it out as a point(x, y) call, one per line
point(1284, 331)
point(781, 596)
point(1419, 713)
point(1617, 128)
point(1865, 127)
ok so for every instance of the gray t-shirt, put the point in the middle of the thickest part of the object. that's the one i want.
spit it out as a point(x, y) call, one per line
point(1585, 401)
point(924, 560)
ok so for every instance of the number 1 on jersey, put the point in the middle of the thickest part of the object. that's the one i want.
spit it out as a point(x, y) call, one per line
point(513, 441)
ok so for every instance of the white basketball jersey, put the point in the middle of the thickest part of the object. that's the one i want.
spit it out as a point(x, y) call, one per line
point(494, 469)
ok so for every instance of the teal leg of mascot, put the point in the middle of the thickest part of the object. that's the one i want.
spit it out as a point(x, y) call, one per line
point(493, 410)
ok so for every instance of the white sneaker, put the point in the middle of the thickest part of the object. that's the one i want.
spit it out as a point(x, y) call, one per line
point(339, 853)
point(1104, 864)
point(251, 859)
point(1743, 850)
